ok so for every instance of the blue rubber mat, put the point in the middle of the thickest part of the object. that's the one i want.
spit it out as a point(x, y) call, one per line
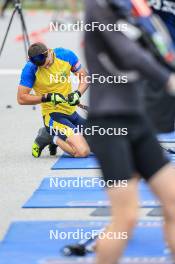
point(65, 155)
point(40, 243)
point(50, 195)
point(172, 157)
point(67, 162)
point(167, 137)
point(78, 182)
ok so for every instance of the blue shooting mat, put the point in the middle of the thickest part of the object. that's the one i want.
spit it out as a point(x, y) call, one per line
point(172, 157)
point(65, 155)
point(42, 243)
point(68, 162)
point(61, 193)
point(167, 137)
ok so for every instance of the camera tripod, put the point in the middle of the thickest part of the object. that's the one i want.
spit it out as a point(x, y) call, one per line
point(17, 8)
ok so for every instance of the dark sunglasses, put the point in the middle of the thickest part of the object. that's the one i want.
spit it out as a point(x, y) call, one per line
point(39, 60)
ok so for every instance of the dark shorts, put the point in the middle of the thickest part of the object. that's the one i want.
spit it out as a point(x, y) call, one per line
point(62, 125)
point(121, 156)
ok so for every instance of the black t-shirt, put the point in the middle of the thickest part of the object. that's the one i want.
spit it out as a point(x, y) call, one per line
point(110, 53)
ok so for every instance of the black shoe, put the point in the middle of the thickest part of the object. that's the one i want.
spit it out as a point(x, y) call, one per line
point(42, 140)
point(53, 149)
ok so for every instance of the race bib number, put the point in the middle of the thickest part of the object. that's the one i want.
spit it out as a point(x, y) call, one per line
point(163, 5)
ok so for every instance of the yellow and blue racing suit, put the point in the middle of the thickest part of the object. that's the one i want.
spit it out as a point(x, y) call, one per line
point(62, 117)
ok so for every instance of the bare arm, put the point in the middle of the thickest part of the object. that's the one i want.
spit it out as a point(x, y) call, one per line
point(83, 85)
point(25, 98)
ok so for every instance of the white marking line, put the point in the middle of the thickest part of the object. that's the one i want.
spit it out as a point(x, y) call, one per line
point(10, 71)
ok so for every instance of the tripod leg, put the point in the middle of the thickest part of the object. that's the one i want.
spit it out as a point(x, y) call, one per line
point(6, 34)
point(24, 27)
point(25, 34)
point(25, 42)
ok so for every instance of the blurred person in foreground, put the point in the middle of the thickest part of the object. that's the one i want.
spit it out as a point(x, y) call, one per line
point(117, 105)
point(48, 73)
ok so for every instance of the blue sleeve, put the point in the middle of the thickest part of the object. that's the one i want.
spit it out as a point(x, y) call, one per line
point(28, 75)
point(69, 56)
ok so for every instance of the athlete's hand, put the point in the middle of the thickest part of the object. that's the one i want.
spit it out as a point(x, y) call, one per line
point(55, 98)
point(74, 98)
point(171, 84)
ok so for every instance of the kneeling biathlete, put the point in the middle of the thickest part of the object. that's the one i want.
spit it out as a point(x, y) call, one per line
point(58, 101)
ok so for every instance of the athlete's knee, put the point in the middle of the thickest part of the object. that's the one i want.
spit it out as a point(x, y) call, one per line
point(169, 209)
point(128, 218)
point(83, 152)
